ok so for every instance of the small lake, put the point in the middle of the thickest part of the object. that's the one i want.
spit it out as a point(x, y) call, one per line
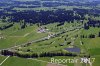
point(74, 49)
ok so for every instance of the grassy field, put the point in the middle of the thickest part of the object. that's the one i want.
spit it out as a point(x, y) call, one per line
point(92, 45)
point(16, 36)
point(15, 61)
point(2, 58)
point(51, 44)
point(13, 36)
point(97, 60)
point(91, 30)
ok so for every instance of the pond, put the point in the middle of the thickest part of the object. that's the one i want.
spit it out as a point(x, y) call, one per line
point(74, 49)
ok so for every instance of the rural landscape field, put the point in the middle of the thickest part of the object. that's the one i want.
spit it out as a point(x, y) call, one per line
point(49, 33)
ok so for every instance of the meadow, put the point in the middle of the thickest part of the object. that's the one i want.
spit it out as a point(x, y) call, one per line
point(15, 61)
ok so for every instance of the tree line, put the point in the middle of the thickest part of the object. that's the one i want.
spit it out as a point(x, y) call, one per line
point(90, 35)
point(6, 26)
point(35, 55)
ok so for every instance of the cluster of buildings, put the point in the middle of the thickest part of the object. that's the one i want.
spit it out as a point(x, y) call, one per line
point(42, 30)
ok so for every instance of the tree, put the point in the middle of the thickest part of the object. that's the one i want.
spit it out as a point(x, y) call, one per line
point(99, 34)
point(23, 24)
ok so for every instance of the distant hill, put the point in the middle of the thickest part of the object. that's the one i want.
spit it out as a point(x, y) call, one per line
point(5, 0)
point(11, 1)
point(49, 0)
